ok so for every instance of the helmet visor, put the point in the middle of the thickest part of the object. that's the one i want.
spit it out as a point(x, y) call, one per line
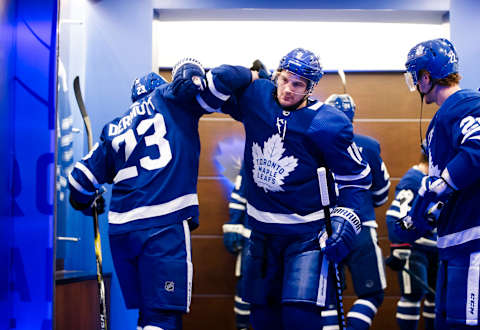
point(410, 81)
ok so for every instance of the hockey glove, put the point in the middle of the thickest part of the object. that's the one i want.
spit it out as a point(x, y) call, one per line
point(432, 196)
point(345, 227)
point(234, 236)
point(262, 70)
point(86, 209)
point(188, 78)
point(399, 254)
point(145, 85)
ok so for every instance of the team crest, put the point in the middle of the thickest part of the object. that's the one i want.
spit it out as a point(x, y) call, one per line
point(269, 168)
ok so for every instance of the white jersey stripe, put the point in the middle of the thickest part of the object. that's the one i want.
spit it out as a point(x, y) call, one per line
point(205, 106)
point(281, 218)
point(78, 186)
point(458, 238)
point(211, 87)
point(151, 211)
point(362, 175)
point(88, 174)
point(238, 197)
point(381, 191)
point(408, 304)
point(236, 206)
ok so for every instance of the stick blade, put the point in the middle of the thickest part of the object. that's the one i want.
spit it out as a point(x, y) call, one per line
point(78, 96)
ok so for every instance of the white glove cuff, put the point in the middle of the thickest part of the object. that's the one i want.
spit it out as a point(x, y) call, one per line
point(350, 216)
point(237, 228)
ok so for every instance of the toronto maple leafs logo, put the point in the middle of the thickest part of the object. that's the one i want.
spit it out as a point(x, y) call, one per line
point(269, 168)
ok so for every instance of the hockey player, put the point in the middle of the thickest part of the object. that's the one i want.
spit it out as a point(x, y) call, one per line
point(236, 233)
point(448, 198)
point(289, 136)
point(150, 155)
point(365, 262)
point(420, 257)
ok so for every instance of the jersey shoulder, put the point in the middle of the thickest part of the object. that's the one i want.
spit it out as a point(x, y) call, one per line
point(411, 180)
point(331, 121)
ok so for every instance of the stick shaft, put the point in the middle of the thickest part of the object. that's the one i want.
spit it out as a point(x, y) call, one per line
point(322, 174)
point(98, 245)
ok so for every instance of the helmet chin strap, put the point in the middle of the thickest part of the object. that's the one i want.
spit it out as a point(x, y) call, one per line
point(422, 95)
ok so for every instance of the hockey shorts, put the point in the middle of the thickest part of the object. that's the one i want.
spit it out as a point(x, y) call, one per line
point(286, 269)
point(365, 263)
point(424, 264)
point(154, 267)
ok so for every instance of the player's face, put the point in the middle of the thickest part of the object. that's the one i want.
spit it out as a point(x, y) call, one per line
point(291, 88)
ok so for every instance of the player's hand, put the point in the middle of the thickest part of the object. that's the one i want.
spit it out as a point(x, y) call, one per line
point(399, 254)
point(87, 208)
point(262, 70)
point(345, 227)
point(234, 237)
point(188, 78)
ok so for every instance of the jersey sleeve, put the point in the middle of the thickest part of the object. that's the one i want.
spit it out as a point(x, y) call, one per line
point(380, 177)
point(91, 172)
point(398, 209)
point(237, 202)
point(223, 82)
point(464, 168)
point(332, 134)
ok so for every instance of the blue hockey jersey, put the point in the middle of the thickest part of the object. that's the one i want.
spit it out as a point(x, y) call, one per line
point(453, 140)
point(150, 154)
point(378, 193)
point(405, 193)
point(283, 150)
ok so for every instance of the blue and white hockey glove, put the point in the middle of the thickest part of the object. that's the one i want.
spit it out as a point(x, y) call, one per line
point(262, 70)
point(345, 227)
point(145, 85)
point(188, 78)
point(234, 237)
point(432, 196)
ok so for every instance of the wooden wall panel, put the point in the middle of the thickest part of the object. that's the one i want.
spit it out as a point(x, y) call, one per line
point(213, 130)
point(212, 197)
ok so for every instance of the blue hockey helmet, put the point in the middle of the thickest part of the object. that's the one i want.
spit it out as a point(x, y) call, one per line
point(344, 103)
point(437, 56)
point(145, 85)
point(304, 64)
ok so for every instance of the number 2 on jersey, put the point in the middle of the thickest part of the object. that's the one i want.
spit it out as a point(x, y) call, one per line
point(156, 139)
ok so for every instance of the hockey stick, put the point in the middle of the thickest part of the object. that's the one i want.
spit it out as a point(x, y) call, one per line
point(322, 174)
point(98, 245)
point(399, 265)
point(341, 73)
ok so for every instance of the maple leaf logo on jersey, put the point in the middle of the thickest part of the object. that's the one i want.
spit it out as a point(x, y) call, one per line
point(269, 168)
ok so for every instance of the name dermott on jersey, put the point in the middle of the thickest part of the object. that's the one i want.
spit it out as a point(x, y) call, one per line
point(139, 108)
